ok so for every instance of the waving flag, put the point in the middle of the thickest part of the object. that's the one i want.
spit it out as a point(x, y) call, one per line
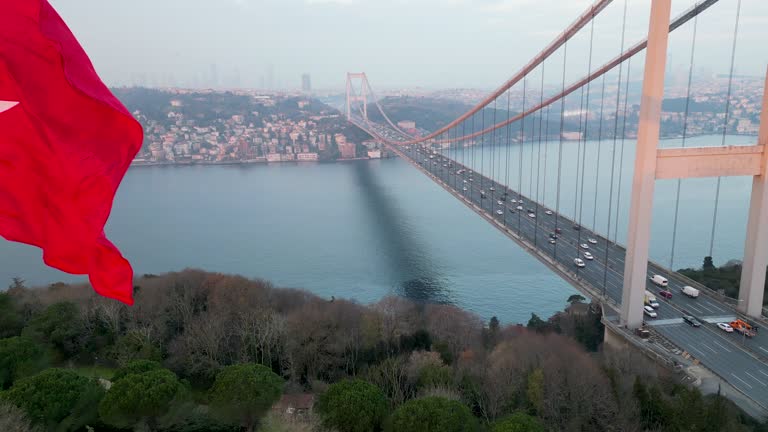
point(65, 145)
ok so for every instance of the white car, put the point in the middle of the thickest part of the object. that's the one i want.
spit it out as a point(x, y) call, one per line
point(592, 241)
point(465, 189)
point(499, 212)
point(588, 256)
point(584, 246)
point(465, 181)
point(649, 311)
point(499, 202)
point(531, 215)
point(552, 241)
point(725, 327)
point(549, 212)
point(519, 208)
point(492, 188)
point(514, 201)
point(579, 262)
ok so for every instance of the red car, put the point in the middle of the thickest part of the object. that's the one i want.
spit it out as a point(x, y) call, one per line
point(666, 294)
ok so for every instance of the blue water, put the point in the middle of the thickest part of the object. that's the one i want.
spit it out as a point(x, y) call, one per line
point(368, 229)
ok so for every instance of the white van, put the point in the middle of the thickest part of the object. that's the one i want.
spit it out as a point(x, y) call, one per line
point(660, 280)
point(690, 291)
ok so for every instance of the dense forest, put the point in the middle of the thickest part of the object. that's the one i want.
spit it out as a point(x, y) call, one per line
point(211, 352)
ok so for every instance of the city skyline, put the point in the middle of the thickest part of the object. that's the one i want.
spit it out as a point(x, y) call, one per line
point(269, 44)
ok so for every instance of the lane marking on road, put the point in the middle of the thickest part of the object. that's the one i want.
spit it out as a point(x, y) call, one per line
point(721, 346)
point(745, 383)
point(761, 371)
point(709, 347)
point(753, 377)
point(763, 349)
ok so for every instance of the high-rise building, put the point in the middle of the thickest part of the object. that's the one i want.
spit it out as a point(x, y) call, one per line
point(306, 83)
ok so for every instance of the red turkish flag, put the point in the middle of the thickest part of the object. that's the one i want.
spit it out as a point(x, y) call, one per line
point(65, 145)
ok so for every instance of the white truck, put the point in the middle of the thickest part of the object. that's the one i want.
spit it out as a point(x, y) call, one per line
point(650, 300)
point(659, 280)
point(690, 291)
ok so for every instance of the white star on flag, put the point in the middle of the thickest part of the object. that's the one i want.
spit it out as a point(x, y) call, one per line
point(6, 105)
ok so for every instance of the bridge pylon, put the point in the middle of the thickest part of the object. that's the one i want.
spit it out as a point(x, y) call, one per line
point(353, 97)
point(652, 163)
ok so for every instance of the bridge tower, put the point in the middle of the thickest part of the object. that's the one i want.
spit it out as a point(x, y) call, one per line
point(652, 163)
point(353, 97)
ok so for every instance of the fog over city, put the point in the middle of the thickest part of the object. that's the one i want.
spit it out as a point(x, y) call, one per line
point(400, 43)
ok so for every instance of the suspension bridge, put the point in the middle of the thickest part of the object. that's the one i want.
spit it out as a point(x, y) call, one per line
point(540, 202)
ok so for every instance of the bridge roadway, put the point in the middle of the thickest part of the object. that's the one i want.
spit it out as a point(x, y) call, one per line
point(740, 361)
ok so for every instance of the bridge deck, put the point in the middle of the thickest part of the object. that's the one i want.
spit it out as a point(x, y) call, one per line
point(740, 361)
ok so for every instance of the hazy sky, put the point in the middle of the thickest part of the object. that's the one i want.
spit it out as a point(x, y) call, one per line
point(399, 43)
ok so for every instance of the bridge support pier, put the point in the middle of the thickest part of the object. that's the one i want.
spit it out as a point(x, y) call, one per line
point(756, 246)
point(640, 210)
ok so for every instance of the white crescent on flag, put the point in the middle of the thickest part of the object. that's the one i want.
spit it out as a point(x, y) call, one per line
point(6, 105)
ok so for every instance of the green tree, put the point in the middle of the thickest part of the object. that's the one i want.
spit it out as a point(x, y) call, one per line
point(535, 390)
point(141, 400)
point(518, 422)
point(135, 367)
point(708, 264)
point(59, 325)
point(58, 399)
point(19, 357)
point(576, 298)
point(538, 325)
point(11, 321)
point(432, 414)
point(244, 393)
point(13, 419)
point(435, 376)
point(133, 346)
point(352, 406)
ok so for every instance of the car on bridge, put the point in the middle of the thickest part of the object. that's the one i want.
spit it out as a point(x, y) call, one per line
point(519, 208)
point(649, 311)
point(558, 231)
point(465, 189)
point(584, 246)
point(588, 256)
point(552, 241)
point(491, 188)
point(667, 294)
point(499, 212)
point(691, 321)
point(579, 262)
point(499, 202)
point(549, 212)
point(532, 215)
point(553, 236)
point(592, 241)
point(577, 227)
point(725, 327)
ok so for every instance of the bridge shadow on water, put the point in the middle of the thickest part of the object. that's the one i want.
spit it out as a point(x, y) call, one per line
point(408, 260)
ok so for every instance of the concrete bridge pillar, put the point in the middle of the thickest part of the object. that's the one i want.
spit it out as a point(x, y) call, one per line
point(756, 245)
point(638, 238)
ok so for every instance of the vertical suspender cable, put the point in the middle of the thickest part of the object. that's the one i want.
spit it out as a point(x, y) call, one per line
point(599, 148)
point(493, 153)
point(538, 160)
point(621, 153)
point(509, 137)
point(725, 123)
point(613, 155)
point(520, 165)
point(560, 147)
point(584, 150)
point(685, 134)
